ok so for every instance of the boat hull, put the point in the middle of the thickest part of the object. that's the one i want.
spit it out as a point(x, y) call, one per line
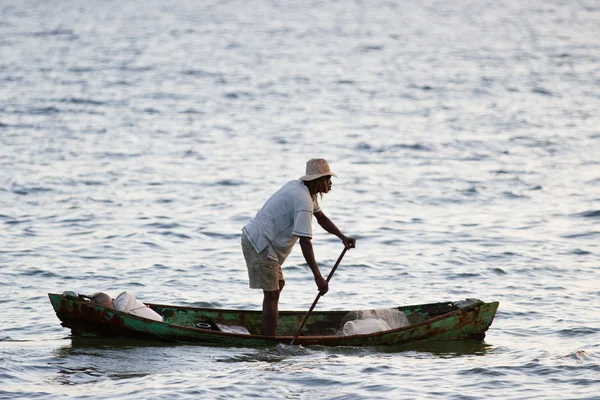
point(468, 319)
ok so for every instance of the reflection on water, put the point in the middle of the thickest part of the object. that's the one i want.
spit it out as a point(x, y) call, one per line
point(83, 375)
point(91, 360)
point(441, 349)
point(273, 354)
point(444, 349)
point(79, 365)
point(115, 343)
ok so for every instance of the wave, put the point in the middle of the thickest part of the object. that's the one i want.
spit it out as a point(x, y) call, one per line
point(54, 32)
point(228, 182)
point(23, 191)
point(588, 214)
point(392, 148)
point(581, 252)
point(581, 235)
point(80, 101)
point(171, 233)
point(39, 272)
point(578, 331)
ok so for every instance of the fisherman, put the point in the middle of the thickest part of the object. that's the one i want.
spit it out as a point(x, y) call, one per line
point(268, 239)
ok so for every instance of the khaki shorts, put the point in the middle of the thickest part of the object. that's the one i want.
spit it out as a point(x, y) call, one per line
point(263, 272)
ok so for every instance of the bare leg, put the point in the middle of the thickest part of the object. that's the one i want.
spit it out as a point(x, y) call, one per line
point(270, 311)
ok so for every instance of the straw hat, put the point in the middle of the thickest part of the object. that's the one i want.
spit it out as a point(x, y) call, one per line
point(316, 168)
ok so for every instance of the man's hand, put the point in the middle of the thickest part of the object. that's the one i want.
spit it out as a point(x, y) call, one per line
point(349, 242)
point(322, 285)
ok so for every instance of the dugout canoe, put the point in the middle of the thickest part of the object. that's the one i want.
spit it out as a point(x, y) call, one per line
point(452, 320)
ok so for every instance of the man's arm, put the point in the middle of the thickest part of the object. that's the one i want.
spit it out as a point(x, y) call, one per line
point(309, 256)
point(330, 227)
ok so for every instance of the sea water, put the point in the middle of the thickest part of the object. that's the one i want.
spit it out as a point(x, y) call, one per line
point(137, 138)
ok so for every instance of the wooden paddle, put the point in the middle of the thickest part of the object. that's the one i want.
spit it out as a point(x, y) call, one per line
point(318, 297)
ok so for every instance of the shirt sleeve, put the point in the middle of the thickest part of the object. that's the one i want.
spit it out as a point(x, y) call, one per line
point(303, 223)
point(304, 208)
point(316, 207)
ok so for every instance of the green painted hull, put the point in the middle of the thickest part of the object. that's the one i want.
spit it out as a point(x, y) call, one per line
point(467, 319)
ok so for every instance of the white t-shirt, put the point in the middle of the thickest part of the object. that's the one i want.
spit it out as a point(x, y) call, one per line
point(281, 220)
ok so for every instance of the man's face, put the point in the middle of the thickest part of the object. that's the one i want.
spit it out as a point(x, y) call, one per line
point(328, 183)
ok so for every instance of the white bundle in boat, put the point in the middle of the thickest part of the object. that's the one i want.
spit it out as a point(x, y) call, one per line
point(127, 302)
point(371, 321)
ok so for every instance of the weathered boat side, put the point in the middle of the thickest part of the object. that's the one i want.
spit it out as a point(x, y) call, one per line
point(96, 321)
point(436, 321)
point(456, 325)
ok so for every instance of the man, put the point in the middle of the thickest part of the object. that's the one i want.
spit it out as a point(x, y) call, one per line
point(268, 239)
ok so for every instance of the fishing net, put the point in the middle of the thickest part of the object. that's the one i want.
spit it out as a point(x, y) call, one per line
point(370, 321)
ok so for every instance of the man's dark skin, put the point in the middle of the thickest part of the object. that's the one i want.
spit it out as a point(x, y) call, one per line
point(271, 298)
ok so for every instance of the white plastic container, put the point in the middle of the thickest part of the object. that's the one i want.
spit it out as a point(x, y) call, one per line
point(127, 302)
